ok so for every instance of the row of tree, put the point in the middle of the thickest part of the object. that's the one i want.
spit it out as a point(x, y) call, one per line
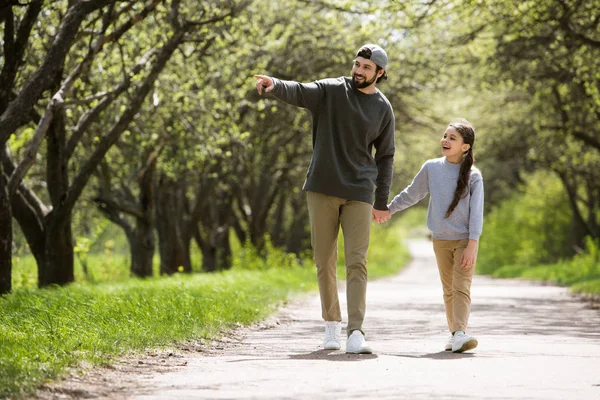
point(147, 110)
point(148, 114)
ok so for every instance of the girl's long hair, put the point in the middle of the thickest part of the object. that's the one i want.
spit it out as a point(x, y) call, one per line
point(466, 130)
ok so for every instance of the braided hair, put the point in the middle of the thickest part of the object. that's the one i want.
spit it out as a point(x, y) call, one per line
point(467, 132)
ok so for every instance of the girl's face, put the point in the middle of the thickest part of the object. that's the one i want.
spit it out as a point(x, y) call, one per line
point(453, 145)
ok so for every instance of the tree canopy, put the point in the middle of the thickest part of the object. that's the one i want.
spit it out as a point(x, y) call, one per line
point(144, 113)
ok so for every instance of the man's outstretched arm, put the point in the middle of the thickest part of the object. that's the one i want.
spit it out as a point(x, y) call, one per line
point(306, 95)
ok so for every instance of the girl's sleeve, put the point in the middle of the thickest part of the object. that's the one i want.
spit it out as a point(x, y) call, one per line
point(413, 193)
point(476, 209)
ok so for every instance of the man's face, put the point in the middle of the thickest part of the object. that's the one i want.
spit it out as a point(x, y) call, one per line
point(364, 72)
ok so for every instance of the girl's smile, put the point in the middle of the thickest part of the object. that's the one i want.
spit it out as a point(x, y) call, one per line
point(453, 145)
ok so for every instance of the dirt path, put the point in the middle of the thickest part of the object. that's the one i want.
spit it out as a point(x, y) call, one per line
point(535, 342)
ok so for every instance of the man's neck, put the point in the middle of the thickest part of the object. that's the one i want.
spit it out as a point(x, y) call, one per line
point(371, 89)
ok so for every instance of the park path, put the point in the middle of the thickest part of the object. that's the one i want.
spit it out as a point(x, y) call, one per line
point(535, 342)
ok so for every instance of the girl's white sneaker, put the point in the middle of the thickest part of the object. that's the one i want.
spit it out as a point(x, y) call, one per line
point(448, 346)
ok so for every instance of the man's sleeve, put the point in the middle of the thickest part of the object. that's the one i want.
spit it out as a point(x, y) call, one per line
point(385, 147)
point(305, 95)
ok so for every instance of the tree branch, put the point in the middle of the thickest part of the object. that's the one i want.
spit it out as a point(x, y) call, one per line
point(117, 129)
point(17, 112)
point(88, 117)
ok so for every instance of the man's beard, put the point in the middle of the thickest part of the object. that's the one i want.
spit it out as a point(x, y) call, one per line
point(363, 84)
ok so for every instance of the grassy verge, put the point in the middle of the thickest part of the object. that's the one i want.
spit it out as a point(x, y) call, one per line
point(581, 273)
point(43, 333)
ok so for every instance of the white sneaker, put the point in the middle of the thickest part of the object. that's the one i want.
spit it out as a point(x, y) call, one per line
point(356, 344)
point(448, 346)
point(463, 342)
point(333, 335)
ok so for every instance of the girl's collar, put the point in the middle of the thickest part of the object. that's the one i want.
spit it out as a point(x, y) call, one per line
point(446, 161)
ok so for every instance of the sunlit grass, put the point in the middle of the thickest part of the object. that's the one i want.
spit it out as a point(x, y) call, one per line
point(588, 287)
point(44, 331)
point(107, 313)
point(582, 273)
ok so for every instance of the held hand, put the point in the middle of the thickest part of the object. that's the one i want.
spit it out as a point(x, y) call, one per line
point(469, 255)
point(264, 83)
point(381, 216)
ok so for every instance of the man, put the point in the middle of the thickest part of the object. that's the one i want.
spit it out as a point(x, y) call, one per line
point(350, 117)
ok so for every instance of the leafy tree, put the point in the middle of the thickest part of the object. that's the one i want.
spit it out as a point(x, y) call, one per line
point(48, 230)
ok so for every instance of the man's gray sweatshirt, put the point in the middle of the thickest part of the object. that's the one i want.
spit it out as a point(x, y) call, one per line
point(347, 125)
point(438, 178)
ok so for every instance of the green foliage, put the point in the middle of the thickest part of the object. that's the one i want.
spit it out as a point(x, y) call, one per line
point(582, 272)
point(247, 257)
point(591, 287)
point(529, 228)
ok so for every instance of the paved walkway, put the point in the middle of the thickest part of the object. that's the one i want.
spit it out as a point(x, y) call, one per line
point(535, 342)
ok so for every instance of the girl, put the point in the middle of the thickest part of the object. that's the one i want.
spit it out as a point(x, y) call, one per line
point(455, 217)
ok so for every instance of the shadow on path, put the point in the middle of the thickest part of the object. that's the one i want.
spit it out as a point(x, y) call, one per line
point(331, 355)
point(442, 355)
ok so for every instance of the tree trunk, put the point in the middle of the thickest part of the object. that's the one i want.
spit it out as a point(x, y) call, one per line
point(5, 236)
point(209, 257)
point(174, 248)
point(277, 230)
point(581, 229)
point(238, 229)
point(142, 245)
point(141, 238)
point(225, 258)
point(141, 255)
point(299, 235)
point(216, 251)
point(58, 265)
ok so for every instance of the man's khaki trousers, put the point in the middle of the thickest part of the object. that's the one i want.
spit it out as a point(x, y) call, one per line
point(456, 282)
point(327, 214)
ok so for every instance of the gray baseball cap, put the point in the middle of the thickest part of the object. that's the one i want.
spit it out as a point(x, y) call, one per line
point(378, 55)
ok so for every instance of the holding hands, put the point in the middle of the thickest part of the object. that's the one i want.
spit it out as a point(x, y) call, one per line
point(381, 216)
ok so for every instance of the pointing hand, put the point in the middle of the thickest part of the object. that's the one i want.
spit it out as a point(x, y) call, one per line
point(263, 83)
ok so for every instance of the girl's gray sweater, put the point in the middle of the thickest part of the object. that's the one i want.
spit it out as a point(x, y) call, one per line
point(438, 178)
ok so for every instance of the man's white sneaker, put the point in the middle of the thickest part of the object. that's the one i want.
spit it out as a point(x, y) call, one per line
point(448, 346)
point(463, 342)
point(333, 335)
point(356, 344)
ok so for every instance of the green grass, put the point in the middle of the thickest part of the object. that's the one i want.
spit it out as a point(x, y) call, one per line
point(581, 273)
point(107, 265)
point(44, 333)
point(588, 287)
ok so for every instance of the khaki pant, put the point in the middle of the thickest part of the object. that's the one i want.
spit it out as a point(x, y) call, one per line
point(327, 214)
point(456, 282)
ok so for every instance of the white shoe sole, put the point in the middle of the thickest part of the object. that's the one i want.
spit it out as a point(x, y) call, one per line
point(466, 346)
point(364, 350)
point(332, 346)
